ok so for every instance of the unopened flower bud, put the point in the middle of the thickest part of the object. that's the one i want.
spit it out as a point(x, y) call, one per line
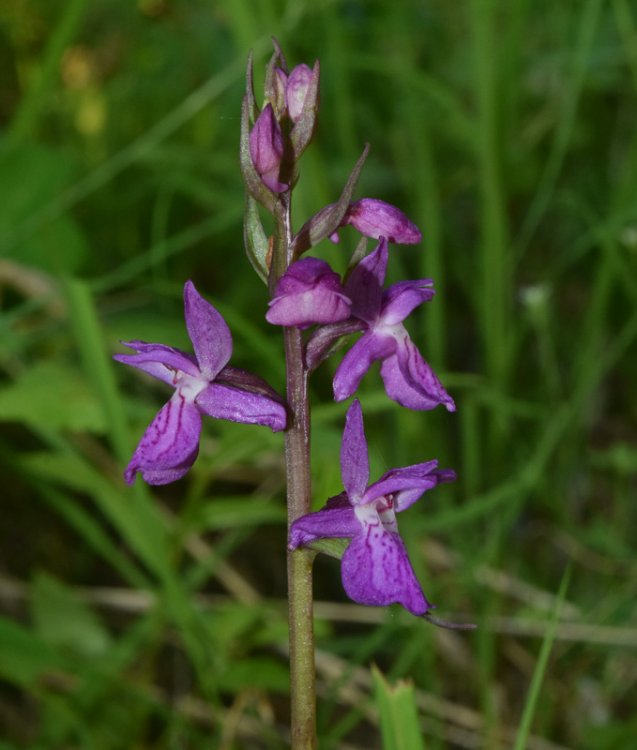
point(266, 149)
point(298, 85)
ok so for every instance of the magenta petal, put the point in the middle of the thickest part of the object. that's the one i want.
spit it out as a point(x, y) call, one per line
point(410, 381)
point(162, 362)
point(238, 405)
point(170, 441)
point(370, 347)
point(401, 298)
point(335, 520)
point(208, 332)
point(308, 293)
point(166, 476)
point(376, 571)
point(403, 499)
point(419, 477)
point(354, 458)
point(365, 284)
point(375, 218)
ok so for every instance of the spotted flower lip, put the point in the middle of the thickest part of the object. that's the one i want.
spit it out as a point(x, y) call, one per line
point(204, 384)
point(379, 314)
point(375, 567)
point(308, 293)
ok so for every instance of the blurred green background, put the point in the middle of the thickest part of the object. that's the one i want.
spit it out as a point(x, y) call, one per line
point(138, 618)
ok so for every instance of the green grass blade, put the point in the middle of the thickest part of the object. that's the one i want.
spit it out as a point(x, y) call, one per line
point(540, 668)
point(398, 714)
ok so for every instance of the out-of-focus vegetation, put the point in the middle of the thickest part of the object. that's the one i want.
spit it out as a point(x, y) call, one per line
point(133, 618)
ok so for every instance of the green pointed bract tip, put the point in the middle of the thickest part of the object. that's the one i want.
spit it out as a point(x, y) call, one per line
point(328, 219)
point(275, 80)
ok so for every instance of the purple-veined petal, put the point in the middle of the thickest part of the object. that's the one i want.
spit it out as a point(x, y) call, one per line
point(208, 332)
point(401, 298)
point(354, 457)
point(239, 405)
point(324, 338)
point(375, 218)
point(405, 498)
point(410, 381)
point(309, 292)
point(170, 441)
point(365, 284)
point(336, 519)
point(162, 362)
point(166, 476)
point(370, 347)
point(376, 570)
point(419, 477)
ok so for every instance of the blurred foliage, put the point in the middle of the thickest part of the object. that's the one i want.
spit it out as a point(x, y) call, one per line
point(139, 618)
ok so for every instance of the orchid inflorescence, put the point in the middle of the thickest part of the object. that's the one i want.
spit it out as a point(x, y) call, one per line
point(307, 294)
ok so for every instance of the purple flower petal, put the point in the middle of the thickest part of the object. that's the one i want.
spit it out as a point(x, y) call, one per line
point(370, 347)
point(208, 332)
point(169, 442)
point(309, 292)
point(375, 218)
point(237, 405)
point(401, 298)
point(376, 571)
point(166, 476)
point(419, 477)
point(336, 519)
point(162, 362)
point(354, 458)
point(365, 284)
point(410, 381)
point(405, 498)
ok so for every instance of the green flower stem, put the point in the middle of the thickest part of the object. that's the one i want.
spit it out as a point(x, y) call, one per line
point(299, 562)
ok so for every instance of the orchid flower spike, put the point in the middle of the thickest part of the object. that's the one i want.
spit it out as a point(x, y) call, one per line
point(379, 313)
point(204, 384)
point(375, 568)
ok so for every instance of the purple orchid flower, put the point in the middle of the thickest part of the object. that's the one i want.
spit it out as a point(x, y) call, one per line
point(375, 218)
point(308, 293)
point(375, 568)
point(204, 384)
point(408, 379)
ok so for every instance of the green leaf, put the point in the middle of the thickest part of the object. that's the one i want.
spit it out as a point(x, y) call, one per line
point(64, 621)
point(32, 177)
point(236, 511)
point(24, 656)
point(54, 395)
point(257, 673)
point(398, 714)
